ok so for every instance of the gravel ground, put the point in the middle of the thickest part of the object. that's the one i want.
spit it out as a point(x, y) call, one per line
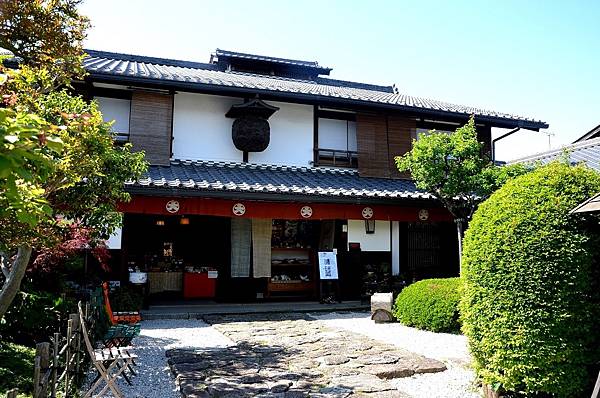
point(154, 378)
point(456, 382)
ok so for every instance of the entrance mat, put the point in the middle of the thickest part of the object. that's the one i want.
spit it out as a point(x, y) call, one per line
point(290, 355)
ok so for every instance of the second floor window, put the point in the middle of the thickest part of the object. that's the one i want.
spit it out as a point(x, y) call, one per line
point(116, 109)
point(337, 143)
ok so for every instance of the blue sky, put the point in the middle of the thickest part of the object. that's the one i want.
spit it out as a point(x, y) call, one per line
point(532, 58)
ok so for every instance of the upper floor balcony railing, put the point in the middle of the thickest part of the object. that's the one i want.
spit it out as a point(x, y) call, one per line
point(336, 158)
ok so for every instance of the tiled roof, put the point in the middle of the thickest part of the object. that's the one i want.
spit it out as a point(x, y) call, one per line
point(193, 75)
point(593, 133)
point(587, 152)
point(206, 176)
point(254, 57)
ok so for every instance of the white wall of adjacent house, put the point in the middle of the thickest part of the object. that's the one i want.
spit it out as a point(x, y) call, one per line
point(291, 136)
point(114, 241)
point(117, 110)
point(337, 134)
point(378, 241)
point(200, 128)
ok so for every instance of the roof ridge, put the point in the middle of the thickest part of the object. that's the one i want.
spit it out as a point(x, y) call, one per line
point(573, 146)
point(227, 163)
point(265, 57)
point(150, 60)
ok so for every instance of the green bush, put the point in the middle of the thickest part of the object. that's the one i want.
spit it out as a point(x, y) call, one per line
point(529, 306)
point(430, 304)
point(34, 316)
point(16, 368)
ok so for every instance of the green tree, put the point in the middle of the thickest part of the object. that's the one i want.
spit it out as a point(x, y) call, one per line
point(452, 168)
point(59, 165)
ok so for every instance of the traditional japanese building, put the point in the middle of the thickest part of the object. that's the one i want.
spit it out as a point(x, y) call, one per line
point(257, 163)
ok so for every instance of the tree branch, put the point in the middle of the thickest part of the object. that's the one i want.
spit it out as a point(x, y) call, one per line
point(12, 284)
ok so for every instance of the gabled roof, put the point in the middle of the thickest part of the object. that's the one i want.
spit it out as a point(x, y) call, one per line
point(194, 76)
point(220, 55)
point(593, 133)
point(587, 152)
point(202, 178)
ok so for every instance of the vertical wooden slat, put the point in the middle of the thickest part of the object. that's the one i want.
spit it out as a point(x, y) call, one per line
point(401, 131)
point(55, 351)
point(150, 125)
point(371, 131)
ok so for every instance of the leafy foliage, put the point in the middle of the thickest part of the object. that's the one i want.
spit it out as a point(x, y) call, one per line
point(27, 150)
point(530, 303)
point(16, 367)
point(34, 316)
point(449, 166)
point(45, 33)
point(59, 166)
point(430, 304)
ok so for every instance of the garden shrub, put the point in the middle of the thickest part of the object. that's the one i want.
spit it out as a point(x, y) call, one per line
point(16, 368)
point(430, 304)
point(34, 316)
point(529, 306)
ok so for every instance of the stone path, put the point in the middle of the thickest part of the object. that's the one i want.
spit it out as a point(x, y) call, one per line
point(290, 355)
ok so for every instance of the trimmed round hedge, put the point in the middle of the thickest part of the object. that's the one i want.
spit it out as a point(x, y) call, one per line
point(430, 304)
point(529, 307)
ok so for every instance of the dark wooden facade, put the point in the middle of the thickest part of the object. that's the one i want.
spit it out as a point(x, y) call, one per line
point(151, 124)
point(380, 139)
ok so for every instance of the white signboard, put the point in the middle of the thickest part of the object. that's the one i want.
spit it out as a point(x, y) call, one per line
point(328, 265)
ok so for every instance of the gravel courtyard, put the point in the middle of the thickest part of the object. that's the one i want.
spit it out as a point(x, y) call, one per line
point(327, 355)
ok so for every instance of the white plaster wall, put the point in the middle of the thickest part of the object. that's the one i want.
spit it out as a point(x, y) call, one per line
point(291, 136)
point(200, 128)
point(337, 134)
point(115, 109)
point(114, 241)
point(379, 241)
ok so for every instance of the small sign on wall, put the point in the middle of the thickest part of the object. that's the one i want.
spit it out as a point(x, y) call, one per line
point(328, 265)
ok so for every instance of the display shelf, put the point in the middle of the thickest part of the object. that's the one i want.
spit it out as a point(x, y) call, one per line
point(292, 262)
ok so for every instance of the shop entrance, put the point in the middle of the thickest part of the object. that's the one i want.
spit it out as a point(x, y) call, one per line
point(183, 256)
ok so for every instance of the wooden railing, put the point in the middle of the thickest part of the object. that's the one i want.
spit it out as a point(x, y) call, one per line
point(336, 158)
point(59, 366)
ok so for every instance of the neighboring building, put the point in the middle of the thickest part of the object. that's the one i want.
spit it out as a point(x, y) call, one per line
point(585, 149)
point(593, 133)
point(259, 162)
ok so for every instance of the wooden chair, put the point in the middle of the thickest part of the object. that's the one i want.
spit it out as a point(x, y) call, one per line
point(109, 362)
point(119, 317)
point(113, 335)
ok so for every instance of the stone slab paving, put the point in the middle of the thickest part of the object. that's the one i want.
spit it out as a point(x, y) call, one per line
point(289, 356)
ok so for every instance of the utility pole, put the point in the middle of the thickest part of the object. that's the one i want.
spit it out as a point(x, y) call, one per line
point(550, 135)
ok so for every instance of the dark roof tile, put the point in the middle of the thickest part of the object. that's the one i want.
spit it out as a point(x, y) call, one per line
point(314, 181)
point(173, 72)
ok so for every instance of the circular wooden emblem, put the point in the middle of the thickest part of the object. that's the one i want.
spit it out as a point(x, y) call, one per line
point(239, 209)
point(306, 211)
point(172, 206)
point(423, 214)
point(367, 213)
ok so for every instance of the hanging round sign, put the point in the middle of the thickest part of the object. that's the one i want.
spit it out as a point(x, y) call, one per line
point(367, 213)
point(172, 206)
point(423, 215)
point(306, 211)
point(239, 209)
